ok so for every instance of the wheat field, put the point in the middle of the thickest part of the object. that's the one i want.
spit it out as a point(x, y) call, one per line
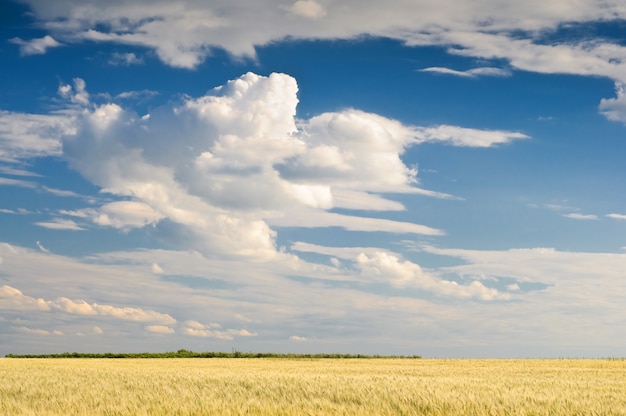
point(311, 387)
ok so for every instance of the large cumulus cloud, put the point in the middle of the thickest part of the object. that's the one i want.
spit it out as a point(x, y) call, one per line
point(216, 170)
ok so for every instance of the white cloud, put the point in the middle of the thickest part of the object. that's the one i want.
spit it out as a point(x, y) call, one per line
point(615, 108)
point(32, 331)
point(297, 338)
point(387, 267)
point(545, 265)
point(308, 8)
point(470, 73)
point(42, 248)
point(97, 330)
point(36, 46)
point(103, 116)
point(197, 329)
point(126, 214)
point(577, 216)
point(19, 211)
point(585, 58)
point(376, 265)
point(160, 329)
point(460, 136)
point(77, 94)
point(17, 182)
point(14, 299)
point(617, 216)
point(197, 325)
point(318, 219)
point(133, 314)
point(32, 135)
point(8, 170)
point(60, 192)
point(136, 95)
point(360, 151)
point(570, 289)
point(122, 215)
point(574, 290)
point(183, 32)
point(349, 199)
point(60, 224)
point(489, 72)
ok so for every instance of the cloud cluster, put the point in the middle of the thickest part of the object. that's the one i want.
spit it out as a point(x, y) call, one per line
point(184, 32)
point(557, 299)
point(374, 265)
point(37, 331)
point(12, 299)
point(212, 330)
point(404, 274)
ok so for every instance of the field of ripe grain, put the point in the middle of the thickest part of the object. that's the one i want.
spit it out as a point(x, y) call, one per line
point(311, 387)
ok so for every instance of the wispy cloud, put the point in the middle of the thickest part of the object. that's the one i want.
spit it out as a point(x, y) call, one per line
point(8, 170)
point(60, 224)
point(617, 216)
point(42, 248)
point(17, 182)
point(465, 137)
point(19, 211)
point(577, 216)
point(317, 219)
point(60, 192)
point(35, 331)
point(470, 73)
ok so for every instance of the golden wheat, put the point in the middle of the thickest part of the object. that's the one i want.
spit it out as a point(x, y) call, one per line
point(311, 387)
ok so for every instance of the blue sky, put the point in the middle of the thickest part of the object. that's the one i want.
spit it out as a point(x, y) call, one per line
point(435, 178)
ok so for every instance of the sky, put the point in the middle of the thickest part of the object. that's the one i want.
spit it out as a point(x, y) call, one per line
point(432, 177)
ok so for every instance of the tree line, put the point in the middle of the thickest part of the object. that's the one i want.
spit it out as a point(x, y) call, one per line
point(209, 354)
